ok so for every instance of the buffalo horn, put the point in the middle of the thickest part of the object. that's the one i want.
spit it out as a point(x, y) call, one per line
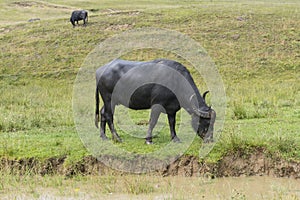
point(204, 94)
point(197, 111)
point(193, 106)
point(212, 116)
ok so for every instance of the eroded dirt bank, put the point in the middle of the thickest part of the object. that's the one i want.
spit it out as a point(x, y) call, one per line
point(234, 164)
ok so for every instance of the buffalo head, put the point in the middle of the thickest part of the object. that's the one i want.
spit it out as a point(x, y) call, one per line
point(203, 120)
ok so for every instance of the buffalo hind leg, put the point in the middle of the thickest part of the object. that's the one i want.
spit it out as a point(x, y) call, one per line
point(172, 122)
point(109, 119)
point(102, 124)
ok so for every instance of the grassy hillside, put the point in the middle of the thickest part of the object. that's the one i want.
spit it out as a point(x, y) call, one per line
point(255, 46)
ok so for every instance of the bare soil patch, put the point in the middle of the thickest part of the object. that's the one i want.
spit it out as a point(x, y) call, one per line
point(119, 27)
point(36, 4)
point(112, 12)
point(232, 165)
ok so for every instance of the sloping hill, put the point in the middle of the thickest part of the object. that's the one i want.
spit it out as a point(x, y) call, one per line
point(255, 47)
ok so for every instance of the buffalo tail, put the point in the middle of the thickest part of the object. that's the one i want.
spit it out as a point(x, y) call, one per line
point(97, 107)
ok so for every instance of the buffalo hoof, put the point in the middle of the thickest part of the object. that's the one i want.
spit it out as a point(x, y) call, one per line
point(104, 137)
point(148, 142)
point(176, 140)
point(117, 139)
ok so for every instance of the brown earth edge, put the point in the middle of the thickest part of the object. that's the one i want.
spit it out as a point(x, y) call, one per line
point(233, 164)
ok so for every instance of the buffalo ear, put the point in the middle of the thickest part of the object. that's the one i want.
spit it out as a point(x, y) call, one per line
point(204, 94)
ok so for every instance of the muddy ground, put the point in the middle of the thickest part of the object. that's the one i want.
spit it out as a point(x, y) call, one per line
point(232, 165)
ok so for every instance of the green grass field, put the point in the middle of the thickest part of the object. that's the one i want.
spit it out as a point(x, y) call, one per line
point(254, 44)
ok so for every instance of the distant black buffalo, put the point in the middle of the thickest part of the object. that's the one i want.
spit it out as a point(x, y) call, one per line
point(78, 15)
point(160, 85)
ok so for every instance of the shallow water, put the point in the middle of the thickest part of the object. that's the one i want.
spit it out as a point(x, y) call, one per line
point(233, 188)
point(249, 188)
point(125, 187)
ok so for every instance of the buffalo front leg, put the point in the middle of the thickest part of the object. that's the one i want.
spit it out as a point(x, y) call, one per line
point(155, 112)
point(172, 122)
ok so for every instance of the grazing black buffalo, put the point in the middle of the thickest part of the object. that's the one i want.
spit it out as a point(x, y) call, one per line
point(78, 15)
point(157, 84)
